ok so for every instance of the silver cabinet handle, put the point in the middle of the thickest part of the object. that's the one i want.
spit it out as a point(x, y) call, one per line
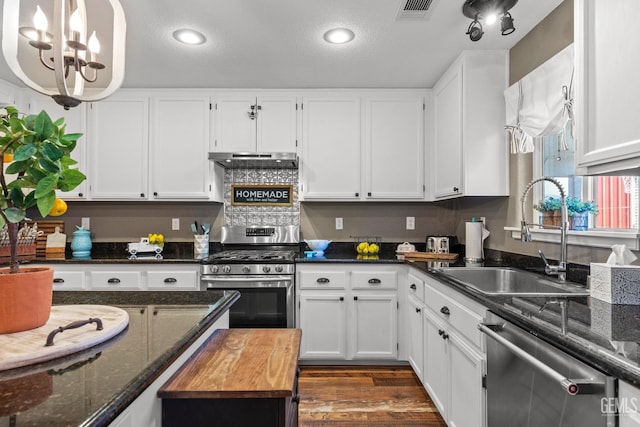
point(113, 280)
point(375, 281)
point(571, 386)
point(58, 280)
point(413, 286)
point(170, 280)
point(323, 280)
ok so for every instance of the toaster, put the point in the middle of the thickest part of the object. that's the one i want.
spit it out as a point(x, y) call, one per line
point(438, 244)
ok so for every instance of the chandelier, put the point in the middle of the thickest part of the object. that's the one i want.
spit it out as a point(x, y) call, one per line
point(488, 11)
point(66, 52)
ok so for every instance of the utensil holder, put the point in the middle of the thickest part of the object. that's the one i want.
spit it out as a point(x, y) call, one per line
point(201, 245)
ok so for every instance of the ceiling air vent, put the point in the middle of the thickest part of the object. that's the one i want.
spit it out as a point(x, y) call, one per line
point(413, 9)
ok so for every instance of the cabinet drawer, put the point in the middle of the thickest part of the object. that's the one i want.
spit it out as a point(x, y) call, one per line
point(116, 280)
point(65, 280)
point(462, 319)
point(415, 287)
point(172, 280)
point(374, 280)
point(323, 279)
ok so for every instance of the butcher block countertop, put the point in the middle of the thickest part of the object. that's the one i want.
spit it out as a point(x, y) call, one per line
point(239, 363)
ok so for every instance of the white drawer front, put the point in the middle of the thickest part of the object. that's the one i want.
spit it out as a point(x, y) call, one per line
point(462, 319)
point(415, 287)
point(68, 280)
point(116, 280)
point(323, 279)
point(158, 280)
point(374, 280)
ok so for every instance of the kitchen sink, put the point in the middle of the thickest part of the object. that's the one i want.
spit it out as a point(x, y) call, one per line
point(502, 281)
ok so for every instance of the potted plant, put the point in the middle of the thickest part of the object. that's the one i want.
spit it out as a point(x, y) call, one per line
point(579, 211)
point(41, 165)
point(550, 208)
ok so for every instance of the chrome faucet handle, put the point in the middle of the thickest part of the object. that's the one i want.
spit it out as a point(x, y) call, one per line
point(557, 270)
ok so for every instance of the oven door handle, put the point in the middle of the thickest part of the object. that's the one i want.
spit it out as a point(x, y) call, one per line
point(244, 282)
point(571, 386)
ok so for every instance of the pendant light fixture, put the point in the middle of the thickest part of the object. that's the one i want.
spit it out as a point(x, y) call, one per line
point(67, 52)
point(488, 12)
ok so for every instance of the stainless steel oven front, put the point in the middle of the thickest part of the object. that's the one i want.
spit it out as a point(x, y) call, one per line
point(266, 301)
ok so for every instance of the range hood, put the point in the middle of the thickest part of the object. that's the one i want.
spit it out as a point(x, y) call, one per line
point(255, 160)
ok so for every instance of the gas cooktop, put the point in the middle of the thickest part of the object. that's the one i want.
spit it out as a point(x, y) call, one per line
point(262, 256)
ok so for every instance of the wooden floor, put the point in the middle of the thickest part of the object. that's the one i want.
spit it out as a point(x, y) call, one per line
point(336, 396)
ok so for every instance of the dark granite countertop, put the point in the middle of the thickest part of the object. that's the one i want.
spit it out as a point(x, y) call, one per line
point(92, 387)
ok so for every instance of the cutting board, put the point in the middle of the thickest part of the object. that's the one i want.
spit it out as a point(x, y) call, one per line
point(28, 347)
point(430, 256)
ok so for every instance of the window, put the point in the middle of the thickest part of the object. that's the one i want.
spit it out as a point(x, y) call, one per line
point(617, 197)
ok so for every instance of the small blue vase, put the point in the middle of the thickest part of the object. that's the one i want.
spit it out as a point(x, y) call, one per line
point(81, 243)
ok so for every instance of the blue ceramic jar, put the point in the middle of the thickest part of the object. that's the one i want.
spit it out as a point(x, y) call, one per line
point(81, 243)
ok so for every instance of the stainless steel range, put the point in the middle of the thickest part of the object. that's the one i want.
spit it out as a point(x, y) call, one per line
point(259, 262)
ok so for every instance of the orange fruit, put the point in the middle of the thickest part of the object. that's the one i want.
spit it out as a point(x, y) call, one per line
point(59, 207)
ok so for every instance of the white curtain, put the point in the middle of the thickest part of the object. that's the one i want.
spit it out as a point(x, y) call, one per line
point(540, 103)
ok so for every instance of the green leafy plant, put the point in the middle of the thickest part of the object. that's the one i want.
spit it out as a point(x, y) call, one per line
point(549, 204)
point(41, 165)
point(576, 205)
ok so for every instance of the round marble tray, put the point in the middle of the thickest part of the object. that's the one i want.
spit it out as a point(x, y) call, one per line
point(28, 347)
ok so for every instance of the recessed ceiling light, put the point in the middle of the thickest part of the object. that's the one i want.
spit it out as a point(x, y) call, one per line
point(189, 36)
point(339, 35)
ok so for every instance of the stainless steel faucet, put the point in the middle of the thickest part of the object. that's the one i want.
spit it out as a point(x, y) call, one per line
point(559, 270)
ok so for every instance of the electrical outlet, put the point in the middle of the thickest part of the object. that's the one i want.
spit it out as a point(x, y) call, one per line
point(175, 224)
point(411, 223)
point(339, 224)
point(86, 224)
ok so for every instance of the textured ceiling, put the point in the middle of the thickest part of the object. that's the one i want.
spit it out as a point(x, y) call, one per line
point(278, 43)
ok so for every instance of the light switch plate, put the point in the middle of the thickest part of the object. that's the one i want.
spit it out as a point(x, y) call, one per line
point(175, 224)
point(411, 223)
point(339, 224)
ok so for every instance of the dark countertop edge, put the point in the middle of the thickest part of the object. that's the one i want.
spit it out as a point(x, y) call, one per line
point(119, 402)
point(582, 352)
point(113, 261)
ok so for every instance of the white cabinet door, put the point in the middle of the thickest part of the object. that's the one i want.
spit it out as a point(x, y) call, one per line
point(250, 122)
point(394, 141)
point(178, 147)
point(436, 363)
point(416, 335)
point(374, 325)
point(447, 148)
point(331, 146)
point(276, 124)
point(467, 396)
point(118, 147)
point(76, 122)
point(323, 320)
point(235, 130)
point(607, 87)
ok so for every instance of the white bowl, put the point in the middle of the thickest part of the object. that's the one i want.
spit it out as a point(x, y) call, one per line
point(318, 245)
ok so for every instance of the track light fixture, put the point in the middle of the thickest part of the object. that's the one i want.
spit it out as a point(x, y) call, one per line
point(487, 12)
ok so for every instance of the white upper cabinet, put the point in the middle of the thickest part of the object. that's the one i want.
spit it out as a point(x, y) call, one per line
point(331, 147)
point(178, 147)
point(447, 149)
point(118, 137)
point(246, 122)
point(394, 146)
point(469, 154)
point(76, 122)
point(607, 87)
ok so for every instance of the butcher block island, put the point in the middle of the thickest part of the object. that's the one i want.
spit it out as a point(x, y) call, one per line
point(238, 377)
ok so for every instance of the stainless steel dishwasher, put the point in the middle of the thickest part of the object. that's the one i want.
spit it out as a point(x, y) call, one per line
point(531, 383)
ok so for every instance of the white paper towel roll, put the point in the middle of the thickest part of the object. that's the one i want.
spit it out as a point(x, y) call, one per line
point(475, 233)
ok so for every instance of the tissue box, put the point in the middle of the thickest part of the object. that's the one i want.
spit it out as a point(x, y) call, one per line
point(615, 284)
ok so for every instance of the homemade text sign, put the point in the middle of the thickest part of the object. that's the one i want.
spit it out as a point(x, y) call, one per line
point(261, 194)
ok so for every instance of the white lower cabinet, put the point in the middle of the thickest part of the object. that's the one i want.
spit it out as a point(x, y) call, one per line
point(454, 355)
point(323, 321)
point(125, 277)
point(415, 334)
point(348, 312)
